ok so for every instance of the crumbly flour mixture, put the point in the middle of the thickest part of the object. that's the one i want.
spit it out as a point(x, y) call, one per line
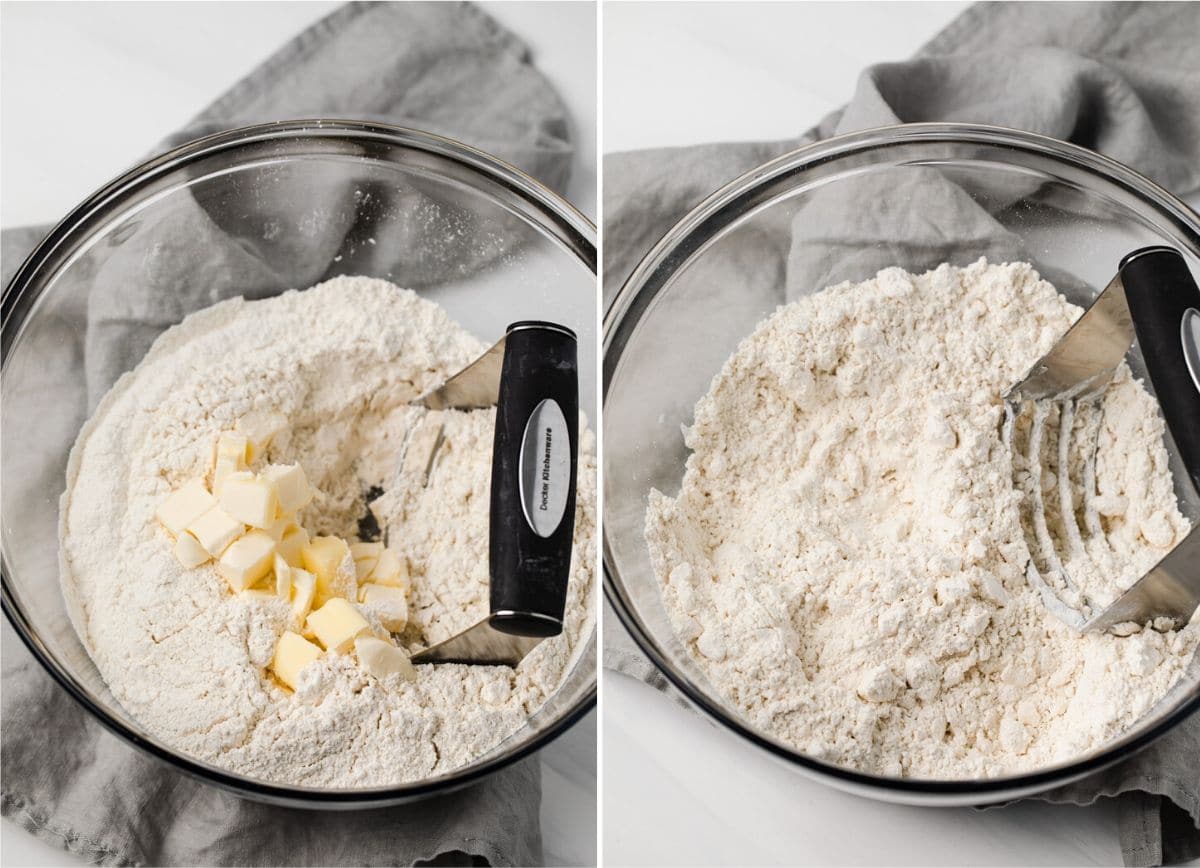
point(846, 559)
point(186, 657)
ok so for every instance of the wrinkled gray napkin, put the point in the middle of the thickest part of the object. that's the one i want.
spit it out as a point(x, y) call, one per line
point(443, 67)
point(1119, 78)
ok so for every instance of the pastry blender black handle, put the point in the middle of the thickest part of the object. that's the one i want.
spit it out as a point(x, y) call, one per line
point(1164, 303)
point(534, 461)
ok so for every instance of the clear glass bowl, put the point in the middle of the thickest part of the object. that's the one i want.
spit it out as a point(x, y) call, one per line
point(1070, 212)
point(311, 200)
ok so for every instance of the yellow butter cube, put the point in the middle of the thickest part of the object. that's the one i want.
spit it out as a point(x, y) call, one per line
point(291, 486)
point(362, 550)
point(184, 506)
point(363, 568)
point(304, 589)
point(291, 545)
point(259, 429)
point(382, 658)
point(247, 560)
point(215, 530)
point(282, 524)
point(328, 558)
point(283, 577)
point(248, 499)
point(390, 570)
point(292, 653)
point(233, 445)
point(189, 551)
point(387, 603)
point(336, 624)
point(223, 469)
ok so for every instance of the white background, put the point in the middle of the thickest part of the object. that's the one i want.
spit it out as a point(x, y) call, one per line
point(676, 790)
point(87, 89)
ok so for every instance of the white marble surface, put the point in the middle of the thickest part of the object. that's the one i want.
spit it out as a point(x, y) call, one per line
point(88, 88)
point(676, 790)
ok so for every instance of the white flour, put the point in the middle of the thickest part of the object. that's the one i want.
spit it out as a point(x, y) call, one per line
point(186, 657)
point(845, 559)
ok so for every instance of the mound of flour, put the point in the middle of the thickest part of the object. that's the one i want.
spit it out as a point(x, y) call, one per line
point(185, 656)
point(845, 559)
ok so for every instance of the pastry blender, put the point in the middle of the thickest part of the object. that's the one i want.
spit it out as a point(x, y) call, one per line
point(531, 377)
point(1052, 422)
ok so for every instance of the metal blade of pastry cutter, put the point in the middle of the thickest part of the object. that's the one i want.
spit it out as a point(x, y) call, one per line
point(481, 643)
point(1086, 357)
point(1081, 366)
point(474, 387)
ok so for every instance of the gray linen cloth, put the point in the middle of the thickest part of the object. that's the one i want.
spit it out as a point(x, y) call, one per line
point(443, 67)
point(1119, 78)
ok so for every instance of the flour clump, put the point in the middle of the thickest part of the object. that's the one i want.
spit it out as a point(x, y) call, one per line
point(331, 372)
point(845, 558)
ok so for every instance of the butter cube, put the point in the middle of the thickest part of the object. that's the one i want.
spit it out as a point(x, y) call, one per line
point(382, 658)
point(223, 469)
point(284, 522)
point(391, 570)
point(247, 560)
point(233, 445)
point(336, 624)
point(291, 545)
point(189, 551)
point(259, 429)
point(366, 556)
point(252, 501)
point(215, 530)
point(363, 568)
point(292, 653)
point(291, 486)
point(304, 588)
point(184, 506)
point(328, 558)
point(388, 604)
point(283, 577)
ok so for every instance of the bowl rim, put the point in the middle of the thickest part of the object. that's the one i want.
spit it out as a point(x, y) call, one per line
point(572, 228)
point(650, 276)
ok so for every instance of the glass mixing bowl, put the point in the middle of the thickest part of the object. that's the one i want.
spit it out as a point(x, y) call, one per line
point(773, 234)
point(306, 201)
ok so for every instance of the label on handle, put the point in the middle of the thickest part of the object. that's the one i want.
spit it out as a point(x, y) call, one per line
point(545, 470)
point(1189, 333)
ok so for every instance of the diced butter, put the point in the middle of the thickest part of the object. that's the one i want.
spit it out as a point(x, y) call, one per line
point(259, 429)
point(282, 524)
point(223, 469)
point(189, 551)
point(304, 588)
point(233, 445)
point(291, 545)
point(283, 577)
point(291, 486)
point(247, 560)
point(387, 603)
point(390, 570)
point(382, 658)
point(248, 499)
point(360, 550)
point(366, 556)
point(324, 557)
point(292, 653)
point(215, 530)
point(364, 567)
point(184, 506)
point(336, 624)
